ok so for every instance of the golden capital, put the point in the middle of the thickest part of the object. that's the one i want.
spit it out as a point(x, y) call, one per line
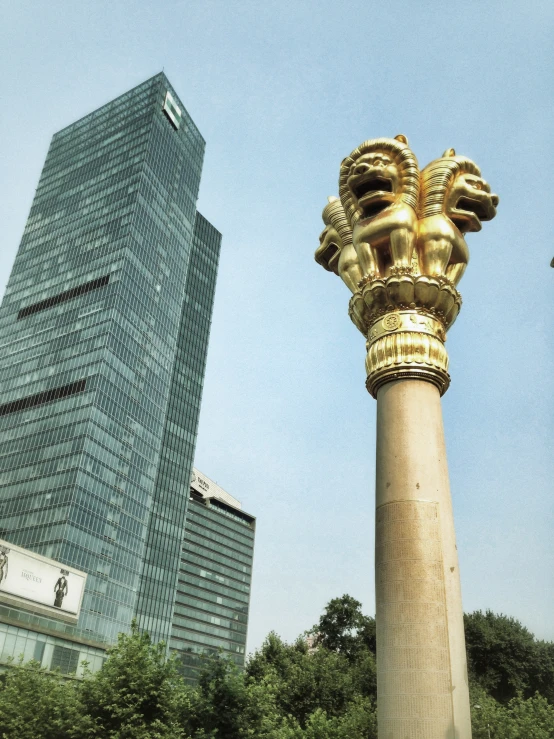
point(406, 345)
point(406, 321)
point(396, 238)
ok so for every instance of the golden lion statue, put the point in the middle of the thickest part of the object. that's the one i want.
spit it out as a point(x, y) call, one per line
point(335, 252)
point(379, 190)
point(454, 200)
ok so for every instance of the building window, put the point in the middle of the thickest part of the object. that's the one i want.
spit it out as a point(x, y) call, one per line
point(30, 401)
point(75, 292)
point(65, 659)
point(39, 651)
point(172, 110)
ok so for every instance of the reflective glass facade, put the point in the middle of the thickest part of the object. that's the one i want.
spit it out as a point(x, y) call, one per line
point(53, 652)
point(163, 551)
point(213, 590)
point(102, 358)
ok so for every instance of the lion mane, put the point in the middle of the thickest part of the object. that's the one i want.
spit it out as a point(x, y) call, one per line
point(441, 246)
point(334, 215)
point(346, 266)
point(436, 178)
point(404, 159)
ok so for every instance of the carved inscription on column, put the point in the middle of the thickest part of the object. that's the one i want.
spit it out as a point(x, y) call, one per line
point(414, 684)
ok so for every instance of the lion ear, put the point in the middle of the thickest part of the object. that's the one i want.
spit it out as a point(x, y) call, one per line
point(449, 153)
point(401, 138)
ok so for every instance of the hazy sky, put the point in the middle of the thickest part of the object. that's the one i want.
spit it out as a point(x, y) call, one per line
point(282, 91)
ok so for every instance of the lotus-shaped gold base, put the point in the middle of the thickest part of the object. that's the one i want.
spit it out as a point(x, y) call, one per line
point(434, 296)
point(405, 318)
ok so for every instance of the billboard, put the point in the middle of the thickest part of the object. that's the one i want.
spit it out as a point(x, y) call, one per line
point(31, 581)
point(210, 489)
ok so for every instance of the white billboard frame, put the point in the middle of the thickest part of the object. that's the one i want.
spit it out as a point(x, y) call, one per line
point(40, 584)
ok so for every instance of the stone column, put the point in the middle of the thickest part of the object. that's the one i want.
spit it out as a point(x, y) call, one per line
point(422, 688)
point(421, 660)
point(396, 239)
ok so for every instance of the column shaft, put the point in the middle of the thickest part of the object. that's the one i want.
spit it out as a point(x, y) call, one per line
point(422, 684)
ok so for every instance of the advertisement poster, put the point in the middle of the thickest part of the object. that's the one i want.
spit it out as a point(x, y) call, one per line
point(30, 576)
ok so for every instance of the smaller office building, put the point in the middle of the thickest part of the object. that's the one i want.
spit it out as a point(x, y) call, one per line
point(213, 590)
point(40, 601)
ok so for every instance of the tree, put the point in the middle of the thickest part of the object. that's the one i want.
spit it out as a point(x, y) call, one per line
point(36, 704)
point(542, 678)
point(306, 682)
point(286, 691)
point(343, 628)
point(531, 718)
point(222, 701)
point(232, 706)
point(138, 693)
point(504, 658)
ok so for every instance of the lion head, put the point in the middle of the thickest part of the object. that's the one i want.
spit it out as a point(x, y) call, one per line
point(336, 235)
point(378, 173)
point(453, 186)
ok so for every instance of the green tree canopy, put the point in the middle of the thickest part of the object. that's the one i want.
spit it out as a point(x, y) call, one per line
point(505, 659)
point(37, 704)
point(287, 691)
point(343, 628)
point(137, 694)
point(306, 681)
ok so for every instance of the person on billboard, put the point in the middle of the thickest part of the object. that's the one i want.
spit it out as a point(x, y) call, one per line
point(3, 564)
point(60, 589)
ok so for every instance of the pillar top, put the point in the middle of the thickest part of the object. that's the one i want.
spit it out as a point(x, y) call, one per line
point(396, 237)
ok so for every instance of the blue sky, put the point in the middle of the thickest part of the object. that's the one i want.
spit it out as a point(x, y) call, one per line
point(282, 91)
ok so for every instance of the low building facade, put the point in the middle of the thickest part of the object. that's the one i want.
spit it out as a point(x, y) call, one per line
point(40, 602)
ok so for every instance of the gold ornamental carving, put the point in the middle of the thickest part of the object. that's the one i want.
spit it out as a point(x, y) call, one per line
point(396, 238)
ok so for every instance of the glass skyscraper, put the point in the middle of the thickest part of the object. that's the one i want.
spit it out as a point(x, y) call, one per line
point(103, 337)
